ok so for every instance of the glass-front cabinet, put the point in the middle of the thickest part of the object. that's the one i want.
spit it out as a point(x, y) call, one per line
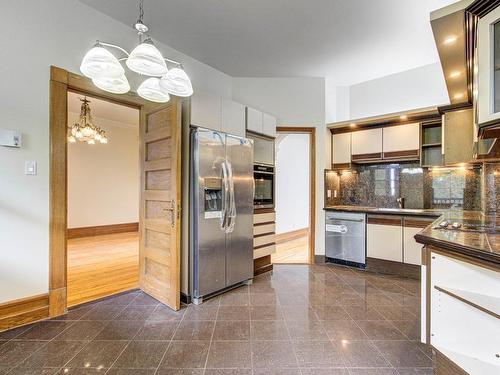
point(488, 74)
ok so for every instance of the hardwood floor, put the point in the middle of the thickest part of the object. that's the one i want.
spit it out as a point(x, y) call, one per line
point(102, 265)
point(293, 251)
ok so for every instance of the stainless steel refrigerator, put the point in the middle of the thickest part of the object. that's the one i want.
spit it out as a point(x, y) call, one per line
point(221, 204)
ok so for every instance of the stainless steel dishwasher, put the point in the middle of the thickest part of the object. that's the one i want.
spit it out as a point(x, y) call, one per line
point(346, 238)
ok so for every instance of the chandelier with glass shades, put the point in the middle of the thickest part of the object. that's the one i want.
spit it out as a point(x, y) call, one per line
point(108, 74)
point(84, 130)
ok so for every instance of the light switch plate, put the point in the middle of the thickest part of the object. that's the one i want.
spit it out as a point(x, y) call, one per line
point(328, 193)
point(30, 167)
point(335, 193)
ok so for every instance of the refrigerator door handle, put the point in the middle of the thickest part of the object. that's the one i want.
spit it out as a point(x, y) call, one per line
point(225, 191)
point(231, 214)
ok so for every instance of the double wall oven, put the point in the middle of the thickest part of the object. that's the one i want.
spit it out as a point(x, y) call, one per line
point(263, 171)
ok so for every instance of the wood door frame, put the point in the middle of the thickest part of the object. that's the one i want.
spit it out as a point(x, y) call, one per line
point(312, 180)
point(62, 82)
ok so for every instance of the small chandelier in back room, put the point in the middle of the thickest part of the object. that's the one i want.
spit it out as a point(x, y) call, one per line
point(84, 130)
point(107, 72)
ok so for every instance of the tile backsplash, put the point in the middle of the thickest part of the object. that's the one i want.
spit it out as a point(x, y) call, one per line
point(380, 185)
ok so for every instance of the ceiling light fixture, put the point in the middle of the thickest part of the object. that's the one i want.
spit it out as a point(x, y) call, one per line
point(108, 74)
point(450, 40)
point(455, 74)
point(403, 117)
point(84, 130)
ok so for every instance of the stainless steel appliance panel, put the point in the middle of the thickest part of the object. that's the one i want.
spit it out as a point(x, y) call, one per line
point(209, 239)
point(346, 237)
point(239, 241)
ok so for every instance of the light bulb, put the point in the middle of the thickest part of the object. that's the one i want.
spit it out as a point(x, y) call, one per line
point(91, 142)
point(115, 85)
point(99, 62)
point(78, 134)
point(87, 131)
point(104, 140)
point(97, 137)
point(177, 82)
point(71, 139)
point(146, 59)
point(150, 89)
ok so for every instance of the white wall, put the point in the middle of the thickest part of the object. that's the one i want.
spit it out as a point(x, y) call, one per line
point(39, 34)
point(103, 180)
point(295, 102)
point(416, 88)
point(292, 182)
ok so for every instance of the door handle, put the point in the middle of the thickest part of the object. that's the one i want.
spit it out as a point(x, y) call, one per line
point(172, 212)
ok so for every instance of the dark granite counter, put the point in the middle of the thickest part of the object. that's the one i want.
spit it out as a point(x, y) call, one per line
point(387, 211)
point(482, 243)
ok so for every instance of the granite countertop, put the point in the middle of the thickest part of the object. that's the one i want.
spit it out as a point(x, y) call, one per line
point(387, 211)
point(483, 245)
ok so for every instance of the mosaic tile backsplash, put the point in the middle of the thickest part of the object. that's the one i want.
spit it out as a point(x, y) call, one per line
point(380, 185)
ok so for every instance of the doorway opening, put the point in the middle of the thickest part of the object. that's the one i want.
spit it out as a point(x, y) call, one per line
point(294, 195)
point(103, 190)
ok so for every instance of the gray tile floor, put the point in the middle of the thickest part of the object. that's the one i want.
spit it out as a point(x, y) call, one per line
point(297, 320)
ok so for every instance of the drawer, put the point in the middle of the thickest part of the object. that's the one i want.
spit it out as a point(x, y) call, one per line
point(264, 251)
point(264, 218)
point(264, 229)
point(264, 240)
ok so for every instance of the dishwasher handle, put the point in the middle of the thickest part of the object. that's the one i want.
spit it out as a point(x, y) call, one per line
point(351, 220)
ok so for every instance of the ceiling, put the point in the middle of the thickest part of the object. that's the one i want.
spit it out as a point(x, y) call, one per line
point(102, 109)
point(349, 41)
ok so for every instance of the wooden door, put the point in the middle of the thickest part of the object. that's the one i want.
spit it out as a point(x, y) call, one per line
point(159, 225)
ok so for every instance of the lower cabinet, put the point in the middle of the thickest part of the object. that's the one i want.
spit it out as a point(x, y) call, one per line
point(384, 238)
point(392, 238)
point(464, 309)
point(264, 233)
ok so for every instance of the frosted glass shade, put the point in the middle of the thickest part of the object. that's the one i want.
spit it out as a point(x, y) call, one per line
point(150, 90)
point(99, 62)
point(177, 82)
point(147, 60)
point(117, 85)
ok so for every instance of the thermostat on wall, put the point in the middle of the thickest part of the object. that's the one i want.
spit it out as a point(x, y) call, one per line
point(10, 138)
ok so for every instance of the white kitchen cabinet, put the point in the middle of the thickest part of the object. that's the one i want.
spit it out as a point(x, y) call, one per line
point(463, 292)
point(233, 118)
point(268, 125)
point(206, 110)
point(254, 120)
point(401, 138)
point(412, 250)
point(384, 242)
point(488, 59)
point(260, 122)
point(367, 142)
point(341, 144)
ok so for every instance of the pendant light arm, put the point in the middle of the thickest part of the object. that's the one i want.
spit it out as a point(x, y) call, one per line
point(100, 43)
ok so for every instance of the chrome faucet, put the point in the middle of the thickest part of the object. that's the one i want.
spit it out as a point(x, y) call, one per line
point(401, 202)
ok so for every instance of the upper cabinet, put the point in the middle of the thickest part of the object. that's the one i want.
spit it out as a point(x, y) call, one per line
point(341, 150)
point(217, 113)
point(233, 118)
point(260, 123)
point(206, 110)
point(402, 141)
point(488, 59)
point(367, 145)
point(268, 125)
point(254, 120)
point(458, 131)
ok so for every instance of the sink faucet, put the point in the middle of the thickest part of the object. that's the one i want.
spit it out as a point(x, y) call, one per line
point(401, 202)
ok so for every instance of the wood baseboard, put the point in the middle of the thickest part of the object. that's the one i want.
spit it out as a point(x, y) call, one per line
point(292, 235)
point(393, 268)
point(23, 311)
point(262, 265)
point(102, 229)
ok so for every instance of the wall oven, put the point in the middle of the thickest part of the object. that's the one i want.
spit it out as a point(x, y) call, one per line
point(263, 176)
